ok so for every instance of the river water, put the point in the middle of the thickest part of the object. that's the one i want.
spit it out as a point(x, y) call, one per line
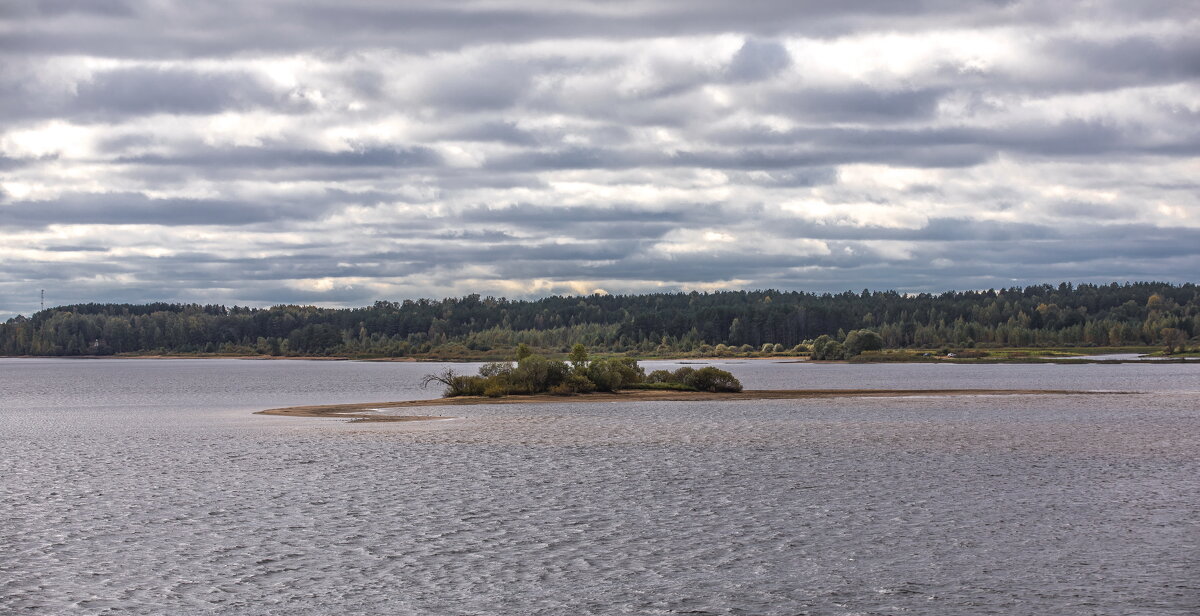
point(148, 487)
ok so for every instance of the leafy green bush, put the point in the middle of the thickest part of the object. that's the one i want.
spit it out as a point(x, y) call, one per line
point(713, 379)
point(613, 373)
point(827, 348)
point(861, 340)
point(658, 376)
point(534, 374)
point(574, 384)
point(496, 368)
point(707, 378)
point(680, 375)
point(818, 346)
point(833, 351)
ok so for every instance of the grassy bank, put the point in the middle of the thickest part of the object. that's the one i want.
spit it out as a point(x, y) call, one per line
point(1072, 355)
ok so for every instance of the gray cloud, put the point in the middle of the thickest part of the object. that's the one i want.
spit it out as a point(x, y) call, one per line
point(57, 8)
point(192, 29)
point(135, 208)
point(483, 86)
point(142, 91)
point(269, 158)
point(1134, 59)
point(970, 262)
point(112, 94)
point(500, 131)
point(525, 214)
point(339, 152)
point(856, 104)
point(902, 145)
point(757, 60)
point(789, 178)
point(7, 162)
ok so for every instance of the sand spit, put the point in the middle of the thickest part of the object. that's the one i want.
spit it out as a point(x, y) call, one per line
point(368, 411)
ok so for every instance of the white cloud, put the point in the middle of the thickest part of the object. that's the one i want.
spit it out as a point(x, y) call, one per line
point(597, 146)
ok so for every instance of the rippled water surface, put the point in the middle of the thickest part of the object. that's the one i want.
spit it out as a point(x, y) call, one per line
point(148, 487)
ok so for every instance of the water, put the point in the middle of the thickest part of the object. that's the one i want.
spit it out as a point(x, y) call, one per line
point(1127, 357)
point(147, 487)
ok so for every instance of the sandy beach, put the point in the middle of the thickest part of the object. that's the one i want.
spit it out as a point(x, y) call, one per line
point(369, 411)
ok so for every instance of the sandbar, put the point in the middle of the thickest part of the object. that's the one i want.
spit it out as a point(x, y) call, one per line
point(368, 411)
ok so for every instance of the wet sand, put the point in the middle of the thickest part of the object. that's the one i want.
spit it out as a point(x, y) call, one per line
point(370, 411)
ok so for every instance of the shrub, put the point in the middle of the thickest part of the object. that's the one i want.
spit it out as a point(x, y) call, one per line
point(707, 378)
point(613, 373)
point(456, 384)
point(535, 374)
point(497, 368)
point(575, 384)
point(861, 340)
point(827, 348)
point(658, 376)
point(713, 379)
point(818, 346)
point(579, 357)
point(681, 375)
point(471, 385)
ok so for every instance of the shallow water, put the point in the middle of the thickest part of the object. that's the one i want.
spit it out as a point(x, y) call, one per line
point(146, 487)
point(1128, 357)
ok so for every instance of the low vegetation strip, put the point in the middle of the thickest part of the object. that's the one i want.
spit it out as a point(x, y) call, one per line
point(373, 412)
point(534, 374)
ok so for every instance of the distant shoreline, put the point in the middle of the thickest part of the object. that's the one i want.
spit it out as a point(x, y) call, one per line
point(367, 411)
point(424, 360)
point(860, 359)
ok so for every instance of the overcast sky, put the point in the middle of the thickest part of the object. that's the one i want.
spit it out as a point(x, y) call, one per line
point(339, 152)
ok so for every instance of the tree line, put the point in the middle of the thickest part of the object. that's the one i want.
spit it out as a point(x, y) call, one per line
point(1142, 313)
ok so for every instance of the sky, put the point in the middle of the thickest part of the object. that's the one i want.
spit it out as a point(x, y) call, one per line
point(340, 152)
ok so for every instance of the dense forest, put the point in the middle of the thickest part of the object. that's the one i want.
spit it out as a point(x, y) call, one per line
point(1144, 313)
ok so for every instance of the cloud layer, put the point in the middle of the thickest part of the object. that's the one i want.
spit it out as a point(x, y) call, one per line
point(338, 153)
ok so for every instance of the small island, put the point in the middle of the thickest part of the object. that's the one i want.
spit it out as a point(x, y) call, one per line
point(534, 374)
point(533, 379)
